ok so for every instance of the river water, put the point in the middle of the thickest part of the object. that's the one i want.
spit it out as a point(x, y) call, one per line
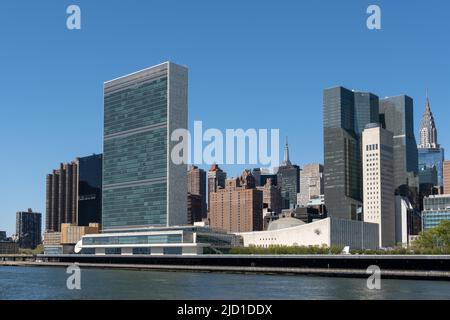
point(50, 283)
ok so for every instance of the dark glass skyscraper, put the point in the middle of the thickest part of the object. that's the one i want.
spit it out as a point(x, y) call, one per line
point(28, 229)
point(346, 113)
point(432, 158)
point(288, 179)
point(398, 117)
point(142, 187)
point(89, 209)
point(366, 110)
point(431, 155)
point(262, 175)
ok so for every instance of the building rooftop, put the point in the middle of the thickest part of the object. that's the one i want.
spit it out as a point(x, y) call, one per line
point(284, 223)
point(438, 196)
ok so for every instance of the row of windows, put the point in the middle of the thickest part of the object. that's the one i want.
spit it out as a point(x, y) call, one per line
point(439, 203)
point(137, 157)
point(136, 107)
point(118, 251)
point(144, 239)
point(135, 206)
point(372, 155)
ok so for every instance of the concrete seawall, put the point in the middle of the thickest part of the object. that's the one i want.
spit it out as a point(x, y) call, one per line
point(399, 267)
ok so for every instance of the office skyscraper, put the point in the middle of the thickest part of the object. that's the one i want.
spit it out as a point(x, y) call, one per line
point(74, 193)
point(194, 208)
point(346, 113)
point(311, 183)
point(397, 115)
point(61, 197)
point(428, 132)
point(378, 181)
point(28, 229)
point(197, 186)
point(431, 155)
point(262, 175)
point(288, 179)
point(271, 197)
point(216, 180)
point(142, 187)
point(89, 206)
point(256, 172)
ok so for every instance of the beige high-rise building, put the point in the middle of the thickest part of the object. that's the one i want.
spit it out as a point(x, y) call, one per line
point(271, 196)
point(378, 181)
point(446, 172)
point(311, 183)
point(237, 207)
point(71, 234)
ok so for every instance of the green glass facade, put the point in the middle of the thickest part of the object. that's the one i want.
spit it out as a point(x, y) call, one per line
point(137, 173)
point(431, 220)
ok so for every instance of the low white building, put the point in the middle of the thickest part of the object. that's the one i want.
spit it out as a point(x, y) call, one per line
point(174, 240)
point(403, 208)
point(330, 232)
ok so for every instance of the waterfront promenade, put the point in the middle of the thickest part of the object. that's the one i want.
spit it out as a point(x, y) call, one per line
point(428, 267)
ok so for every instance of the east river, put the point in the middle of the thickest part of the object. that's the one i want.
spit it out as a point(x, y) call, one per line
point(51, 283)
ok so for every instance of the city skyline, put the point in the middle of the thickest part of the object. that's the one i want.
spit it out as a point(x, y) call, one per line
point(236, 174)
point(80, 96)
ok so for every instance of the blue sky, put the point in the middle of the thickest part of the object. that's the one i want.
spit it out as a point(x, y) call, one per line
point(252, 64)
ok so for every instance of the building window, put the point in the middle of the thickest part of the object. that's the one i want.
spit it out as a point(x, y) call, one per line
point(142, 251)
point(173, 250)
point(113, 251)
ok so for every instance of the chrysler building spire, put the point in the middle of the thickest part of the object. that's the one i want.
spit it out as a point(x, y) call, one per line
point(286, 161)
point(428, 133)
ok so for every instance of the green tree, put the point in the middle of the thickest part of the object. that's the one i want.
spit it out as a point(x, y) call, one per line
point(39, 250)
point(437, 238)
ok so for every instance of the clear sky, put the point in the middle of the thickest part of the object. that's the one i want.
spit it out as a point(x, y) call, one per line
point(252, 64)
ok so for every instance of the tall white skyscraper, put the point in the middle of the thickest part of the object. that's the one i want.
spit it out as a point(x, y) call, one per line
point(378, 181)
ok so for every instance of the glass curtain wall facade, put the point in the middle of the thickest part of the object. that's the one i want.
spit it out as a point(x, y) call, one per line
point(397, 113)
point(89, 208)
point(141, 185)
point(436, 209)
point(346, 113)
point(289, 179)
point(432, 158)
